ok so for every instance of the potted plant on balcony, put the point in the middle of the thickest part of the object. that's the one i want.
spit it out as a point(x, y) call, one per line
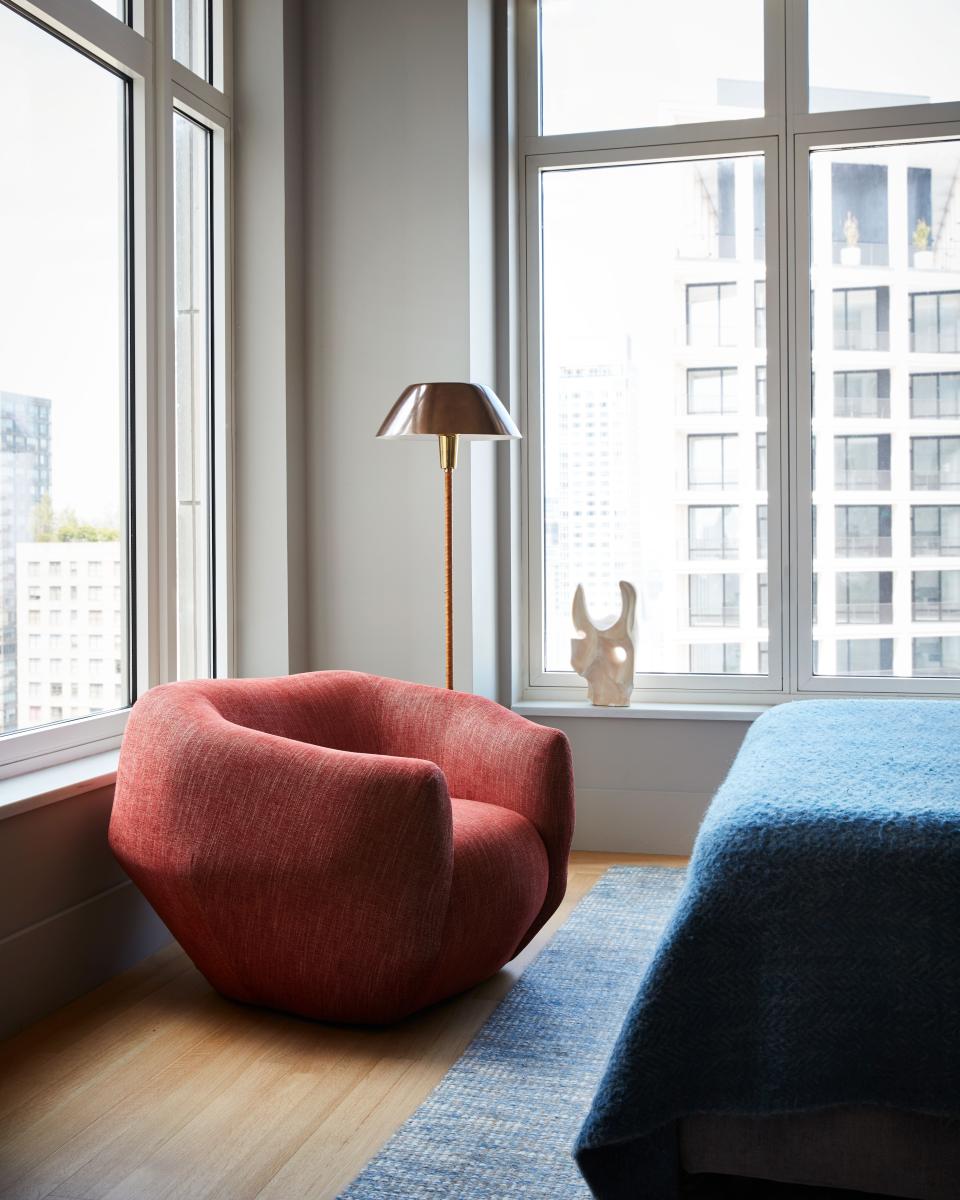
point(922, 254)
point(850, 253)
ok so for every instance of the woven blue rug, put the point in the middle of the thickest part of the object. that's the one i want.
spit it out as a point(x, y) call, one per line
point(503, 1119)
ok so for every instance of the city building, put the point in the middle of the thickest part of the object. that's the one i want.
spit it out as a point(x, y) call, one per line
point(886, 411)
point(622, 434)
point(69, 603)
point(592, 520)
point(24, 481)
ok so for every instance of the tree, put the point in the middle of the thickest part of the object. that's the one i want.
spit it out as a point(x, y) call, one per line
point(65, 526)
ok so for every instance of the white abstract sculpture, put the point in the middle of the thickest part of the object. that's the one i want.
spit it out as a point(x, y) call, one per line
point(604, 657)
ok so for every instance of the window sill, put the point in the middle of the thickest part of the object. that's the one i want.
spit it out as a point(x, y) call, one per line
point(656, 712)
point(35, 789)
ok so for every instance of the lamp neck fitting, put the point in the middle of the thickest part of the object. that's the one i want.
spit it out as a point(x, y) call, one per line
point(449, 449)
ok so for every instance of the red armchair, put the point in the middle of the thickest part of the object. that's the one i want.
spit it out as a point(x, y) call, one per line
point(339, 845)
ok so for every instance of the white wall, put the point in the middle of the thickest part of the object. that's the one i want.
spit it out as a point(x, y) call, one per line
point(271, 514)
point(400, 251)
point(69, 916)
point(643, 785)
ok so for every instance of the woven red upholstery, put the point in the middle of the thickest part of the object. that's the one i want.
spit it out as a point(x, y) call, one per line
point(298, 837)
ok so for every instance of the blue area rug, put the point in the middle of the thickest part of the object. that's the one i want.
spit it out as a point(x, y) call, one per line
point(503, 1119)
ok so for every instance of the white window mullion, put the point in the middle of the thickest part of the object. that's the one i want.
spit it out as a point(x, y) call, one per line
point(148, 338)
point(800, 378)
point(166, 515)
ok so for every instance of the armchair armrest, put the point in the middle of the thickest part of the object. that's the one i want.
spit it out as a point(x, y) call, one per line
point(492, 755)
point(202, 804)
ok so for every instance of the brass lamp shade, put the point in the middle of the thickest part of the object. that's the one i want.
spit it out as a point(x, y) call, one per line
point(469, 410)
point(448, 412)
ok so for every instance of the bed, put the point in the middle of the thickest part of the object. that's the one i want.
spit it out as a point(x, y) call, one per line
point(803, 1008)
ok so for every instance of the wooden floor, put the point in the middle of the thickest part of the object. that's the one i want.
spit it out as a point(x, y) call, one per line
point(153, 1086)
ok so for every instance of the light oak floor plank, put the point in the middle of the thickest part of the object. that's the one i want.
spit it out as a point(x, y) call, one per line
point(153, 1087)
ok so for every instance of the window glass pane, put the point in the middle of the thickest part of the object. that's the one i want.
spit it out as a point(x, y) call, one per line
point(63, 371)
point(885, 230)
point(760, 389)
point(652, 471)
point(936, 595)
point(936, 656)
point(861, 393)
point(192, 215)
point(864, 656)
point(714, 599)
point(716, 658)
point(935, 395)
point(877, 53)
point(711, 390)
point(600, 71)
point(191, 36)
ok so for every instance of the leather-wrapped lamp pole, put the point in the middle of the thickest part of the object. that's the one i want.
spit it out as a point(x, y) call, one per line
point(448, 412)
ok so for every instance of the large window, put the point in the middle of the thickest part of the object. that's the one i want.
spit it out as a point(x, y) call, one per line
point(862, 461)
point(935, 530)
point(861, 318)
point(677, 275)
point(935, 395)
point(936, 595)
point(711, 390)
point(712, 461)
point(711, 314)
point(64, 393)
point(715, 599)
point(864, 597)
point(935, 322)
point(86, 314)
point(861, 393)
point(863, 530)
point(193, 270)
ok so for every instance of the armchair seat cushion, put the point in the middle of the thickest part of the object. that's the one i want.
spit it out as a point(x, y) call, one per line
point(500, 877)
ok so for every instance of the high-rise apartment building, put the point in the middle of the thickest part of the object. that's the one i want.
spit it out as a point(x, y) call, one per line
point(592, 512)
point(656, 441)
point(886, 415)
point(24, 481)
point(70, 607)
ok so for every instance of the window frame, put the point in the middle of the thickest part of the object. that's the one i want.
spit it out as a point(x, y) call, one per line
point(867, 128)
point(140, 52)
point(785, 135)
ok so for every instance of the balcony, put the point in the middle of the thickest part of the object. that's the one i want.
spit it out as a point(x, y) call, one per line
point(936, 610)
point(864, 546)
point(701, 550)
point(858, 337)
point(934, 481)
point(934, 545)
point(865, 613)
point(728, 615)
point(863, 479)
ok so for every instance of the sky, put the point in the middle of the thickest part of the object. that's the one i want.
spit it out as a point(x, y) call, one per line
point(624, 64)
point(61, 256)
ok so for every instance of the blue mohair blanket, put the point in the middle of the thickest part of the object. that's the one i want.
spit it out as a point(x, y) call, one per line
point(813, 958)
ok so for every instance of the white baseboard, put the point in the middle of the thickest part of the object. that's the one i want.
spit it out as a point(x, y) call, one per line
point(52, 962)
point(638, 822)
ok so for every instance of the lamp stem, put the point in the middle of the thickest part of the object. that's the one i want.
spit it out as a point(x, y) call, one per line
point(448, 567)
point(449, 445)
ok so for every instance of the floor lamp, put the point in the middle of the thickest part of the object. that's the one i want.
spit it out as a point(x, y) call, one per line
point(449, 412)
